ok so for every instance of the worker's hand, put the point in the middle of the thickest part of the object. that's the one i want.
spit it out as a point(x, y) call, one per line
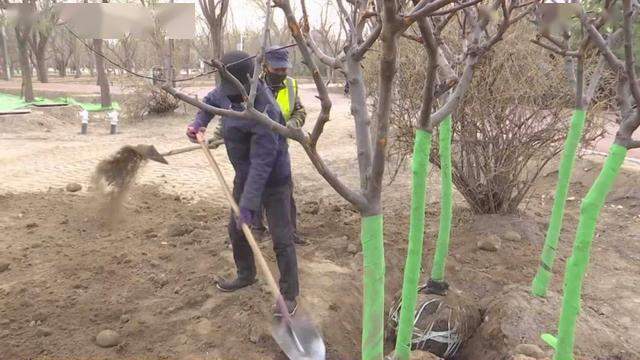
point(193, 129)
point(246, 217)
point(293, 123)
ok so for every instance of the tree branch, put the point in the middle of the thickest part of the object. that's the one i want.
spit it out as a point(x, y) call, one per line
point(368, 42)
point(323, 94)
point(561, 52)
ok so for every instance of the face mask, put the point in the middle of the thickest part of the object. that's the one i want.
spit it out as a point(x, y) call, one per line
point(236, 99)
point(275, 79)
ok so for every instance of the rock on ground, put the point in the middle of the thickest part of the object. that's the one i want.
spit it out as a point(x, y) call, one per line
point(511, 236)
point(491, 243)
point(73, 187)
point(107, 338)
point(530, 350)
point(4, 266)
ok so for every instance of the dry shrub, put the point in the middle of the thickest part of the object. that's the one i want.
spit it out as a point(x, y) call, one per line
point(145, 98)
point(512, 122)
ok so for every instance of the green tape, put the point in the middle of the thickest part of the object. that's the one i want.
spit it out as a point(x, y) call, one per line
point(446, 202)
point(577, 264)
point(373, 279)
point(542, 279)
point(420, 169)
point(550, 340)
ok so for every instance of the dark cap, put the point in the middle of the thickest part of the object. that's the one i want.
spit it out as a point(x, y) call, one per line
point(240, 65)
point(277, 58)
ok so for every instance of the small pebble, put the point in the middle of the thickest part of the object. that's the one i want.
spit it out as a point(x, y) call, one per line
point(4, 266)
point(125, 318)
point(73, 187)
point(511, 236)
point(530, 350)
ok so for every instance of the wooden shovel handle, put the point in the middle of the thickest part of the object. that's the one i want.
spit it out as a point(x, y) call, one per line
point(212, 144)
point(245, 228)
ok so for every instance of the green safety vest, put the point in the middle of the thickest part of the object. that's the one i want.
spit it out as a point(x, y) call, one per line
point(286, 97)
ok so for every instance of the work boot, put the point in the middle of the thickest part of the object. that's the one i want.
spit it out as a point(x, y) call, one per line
point(233, 285)
point(298, 240)
point(292, 306)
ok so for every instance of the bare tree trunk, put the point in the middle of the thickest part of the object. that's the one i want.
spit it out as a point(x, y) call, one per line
point(41, 62)
point(103, 81)
point(6, 60)
point(25, 67)
point(168, 63)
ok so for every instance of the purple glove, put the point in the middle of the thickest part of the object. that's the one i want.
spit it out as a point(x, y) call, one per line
point(246, 217)
point(194, 128)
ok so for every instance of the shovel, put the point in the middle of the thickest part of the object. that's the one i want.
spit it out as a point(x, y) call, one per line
point(297, 337)
point(149, 152)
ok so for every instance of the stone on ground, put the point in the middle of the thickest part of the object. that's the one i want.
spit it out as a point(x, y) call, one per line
point(490, 243)
point(107, 338)
point(4, 266)
point(511, 236)
point(73, 187)
point(530, 350)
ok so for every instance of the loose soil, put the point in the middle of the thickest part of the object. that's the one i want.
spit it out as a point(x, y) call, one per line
point(149, 277)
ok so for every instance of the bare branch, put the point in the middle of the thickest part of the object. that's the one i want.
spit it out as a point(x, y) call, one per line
point(425, 8)
point(454, 99)
point(364, 47)
point(628, 50)
point(454, 9)
point(561, 52)
point(260, 57)
point(601, 44)
point(323, 94)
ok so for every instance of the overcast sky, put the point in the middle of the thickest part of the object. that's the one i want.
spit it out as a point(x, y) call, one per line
point(244, 13)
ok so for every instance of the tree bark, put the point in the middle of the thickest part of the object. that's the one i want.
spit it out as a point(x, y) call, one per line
point(103, 81)
point(41, 62)
point(6, 60)
point(25, 66)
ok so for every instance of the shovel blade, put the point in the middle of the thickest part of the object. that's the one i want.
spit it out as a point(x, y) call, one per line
point(298, 339)
point(150, 152)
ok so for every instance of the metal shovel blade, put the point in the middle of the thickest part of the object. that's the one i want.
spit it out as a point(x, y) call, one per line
point(149, 152)
point(298, 338)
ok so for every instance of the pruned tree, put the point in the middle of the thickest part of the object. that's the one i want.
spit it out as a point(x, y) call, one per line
point(603, 34)
point(215, 15)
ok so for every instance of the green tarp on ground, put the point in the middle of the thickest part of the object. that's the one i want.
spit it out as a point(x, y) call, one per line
point(10, 102)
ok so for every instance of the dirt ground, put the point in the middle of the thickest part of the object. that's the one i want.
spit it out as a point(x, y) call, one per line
point(69, 275)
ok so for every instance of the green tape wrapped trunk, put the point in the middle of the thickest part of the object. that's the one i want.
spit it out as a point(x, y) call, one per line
point(577, 263)
point(542, 279)
point(420, 169)
point(371, 233)
point(446, 202)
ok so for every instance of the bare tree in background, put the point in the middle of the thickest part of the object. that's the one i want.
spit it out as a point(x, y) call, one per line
point(23, 29)
point(215, 13)
point(63, 48)
point(103, 80)
point(124, 50)
point(40, 35)
point(6, 59)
